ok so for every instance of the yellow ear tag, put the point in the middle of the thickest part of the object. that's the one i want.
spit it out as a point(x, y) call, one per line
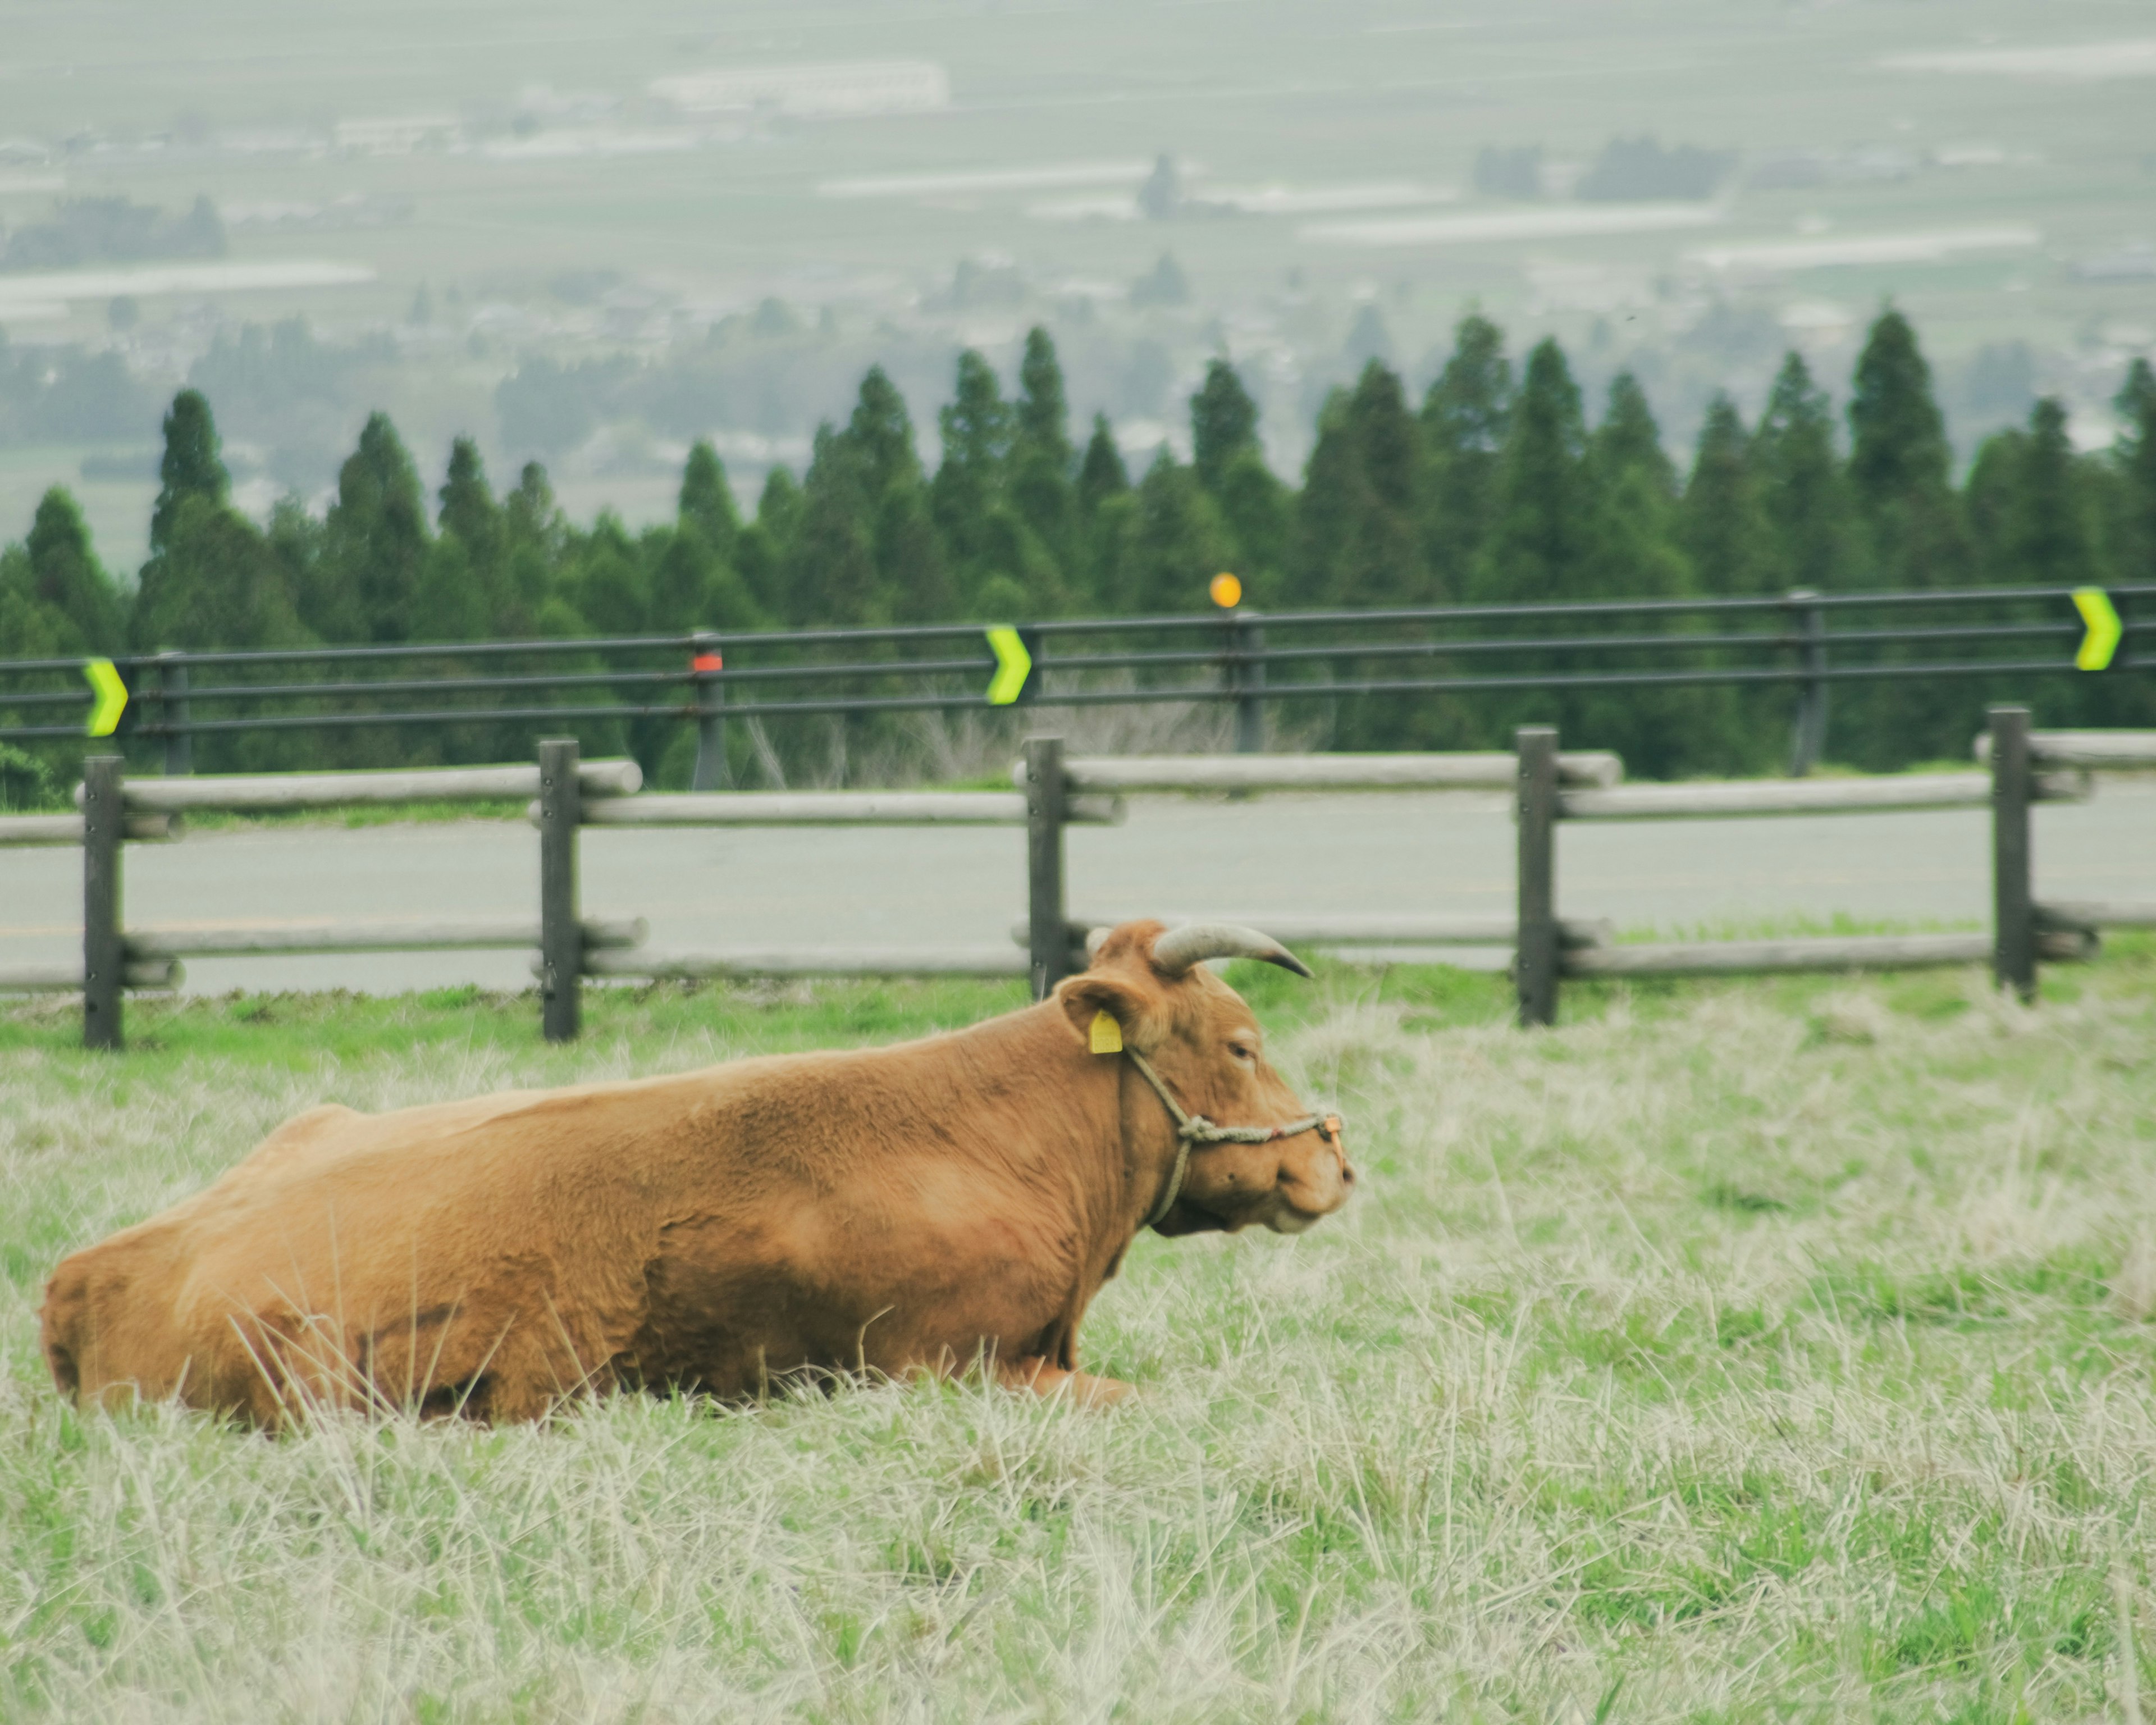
point(1107, 1034)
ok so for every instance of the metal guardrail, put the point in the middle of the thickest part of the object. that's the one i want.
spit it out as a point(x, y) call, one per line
point(1807, 642)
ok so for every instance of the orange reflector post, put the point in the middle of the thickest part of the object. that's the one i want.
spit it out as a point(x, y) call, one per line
point(707, 662)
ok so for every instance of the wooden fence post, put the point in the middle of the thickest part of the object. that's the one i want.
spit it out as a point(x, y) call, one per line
point(1535, 965)
point(1048, 933)
point(104, 953)
point(561, 932)
point(2013, 905)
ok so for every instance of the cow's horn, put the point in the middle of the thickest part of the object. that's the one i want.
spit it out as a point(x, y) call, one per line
point(1179, 949)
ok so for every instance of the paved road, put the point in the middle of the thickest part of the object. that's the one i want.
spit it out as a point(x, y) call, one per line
point(713, 889)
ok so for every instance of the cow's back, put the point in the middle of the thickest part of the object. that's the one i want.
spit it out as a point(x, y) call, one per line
point(491, 1250)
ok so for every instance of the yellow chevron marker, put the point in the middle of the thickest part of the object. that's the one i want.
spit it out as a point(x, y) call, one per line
point(1013, 665)
point(111, 697)
point(2104, 628)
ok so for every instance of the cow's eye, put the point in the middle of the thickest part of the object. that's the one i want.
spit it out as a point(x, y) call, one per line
point(1243, 1051)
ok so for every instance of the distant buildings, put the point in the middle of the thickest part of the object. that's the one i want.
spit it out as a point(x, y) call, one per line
point(850, 91)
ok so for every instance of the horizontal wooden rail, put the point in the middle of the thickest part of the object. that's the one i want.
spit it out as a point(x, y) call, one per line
point(146, 943)
point(1461, 771)
point(1831, 953)
point(268, 792)
point(1376, 929)
point(1803, 796)
point(66, 977)
point(831, 961)
point(67, 828)
point(2096, 913)
point(834, 808)
point(2099, 750)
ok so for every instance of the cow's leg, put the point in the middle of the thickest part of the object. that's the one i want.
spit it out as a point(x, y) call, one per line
point(1043, 1379)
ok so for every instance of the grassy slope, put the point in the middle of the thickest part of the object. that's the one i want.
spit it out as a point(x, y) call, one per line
point(1773, 1349)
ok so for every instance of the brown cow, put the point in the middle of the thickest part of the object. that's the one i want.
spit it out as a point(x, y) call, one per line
point(956, 1199)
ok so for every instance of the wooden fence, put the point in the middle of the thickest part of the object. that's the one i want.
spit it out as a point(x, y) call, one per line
point(2023, 768)
point(1052, 793)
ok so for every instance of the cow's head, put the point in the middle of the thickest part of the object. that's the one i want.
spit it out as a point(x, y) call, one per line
point(1204, 1041)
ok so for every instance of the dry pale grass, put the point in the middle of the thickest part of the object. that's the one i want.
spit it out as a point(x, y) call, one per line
point(1737, 1353)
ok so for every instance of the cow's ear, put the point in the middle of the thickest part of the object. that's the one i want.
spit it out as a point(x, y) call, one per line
point(1138, 1022)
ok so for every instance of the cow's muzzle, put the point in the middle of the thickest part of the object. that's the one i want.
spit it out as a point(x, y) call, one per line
point(1196, 1129)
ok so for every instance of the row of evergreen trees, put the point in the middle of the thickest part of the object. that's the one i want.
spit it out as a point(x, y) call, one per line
point(1494, 488)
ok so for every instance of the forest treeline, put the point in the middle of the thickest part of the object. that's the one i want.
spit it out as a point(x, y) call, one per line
point(1496, 486)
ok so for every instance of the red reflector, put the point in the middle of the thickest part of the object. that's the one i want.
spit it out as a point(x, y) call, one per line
point(707, 662)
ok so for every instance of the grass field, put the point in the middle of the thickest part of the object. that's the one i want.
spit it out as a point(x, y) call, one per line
point(1733, 1352)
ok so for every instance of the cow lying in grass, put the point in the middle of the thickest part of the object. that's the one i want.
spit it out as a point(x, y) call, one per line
point(899, 1209)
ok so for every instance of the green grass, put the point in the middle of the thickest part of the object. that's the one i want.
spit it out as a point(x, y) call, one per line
point(1777, 1349)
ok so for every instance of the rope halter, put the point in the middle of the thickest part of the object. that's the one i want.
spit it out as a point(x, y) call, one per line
point(1196, 1129)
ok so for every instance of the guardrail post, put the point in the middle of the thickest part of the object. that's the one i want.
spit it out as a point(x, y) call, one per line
point(179, 741)
point(1246, 676)
point(560, 934)
point(104, 953)
point(1048, 934)
point(704, 666)
point(1809, 740)
point(2013, 906)
point(1535, 964)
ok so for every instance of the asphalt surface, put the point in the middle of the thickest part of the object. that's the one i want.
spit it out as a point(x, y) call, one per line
point(707, 890)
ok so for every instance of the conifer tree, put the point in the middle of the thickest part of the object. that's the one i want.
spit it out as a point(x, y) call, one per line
point(1172, 543)
point(1464, 420)
point(1103, 498)
point(30, 629)
point(2048, 534)
point(213, 583)
point(828, 567)
point(1357, 529)
point(191, 466)
point(706, 502)
point(533, 536)
point(762, 543)
point(1257, 511)
point(1627, 441)
point(1899, 448)
point(465, 594)
point(374, 545)
point(880, 434)
point(1802, 486)
point(1634, 553)
point(2135, 456)
point(469, 510)
point(910, 563)
point(1224, 424)
point(1723, 530)
point(1040, 487)
point(1899, 461)
point(605, 578)
point(1721, 522)
point(1910, 526)
point(66, 576)
point(976, 430)
point(1538, 538)
point(1041, 416)
point(1101, 475)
